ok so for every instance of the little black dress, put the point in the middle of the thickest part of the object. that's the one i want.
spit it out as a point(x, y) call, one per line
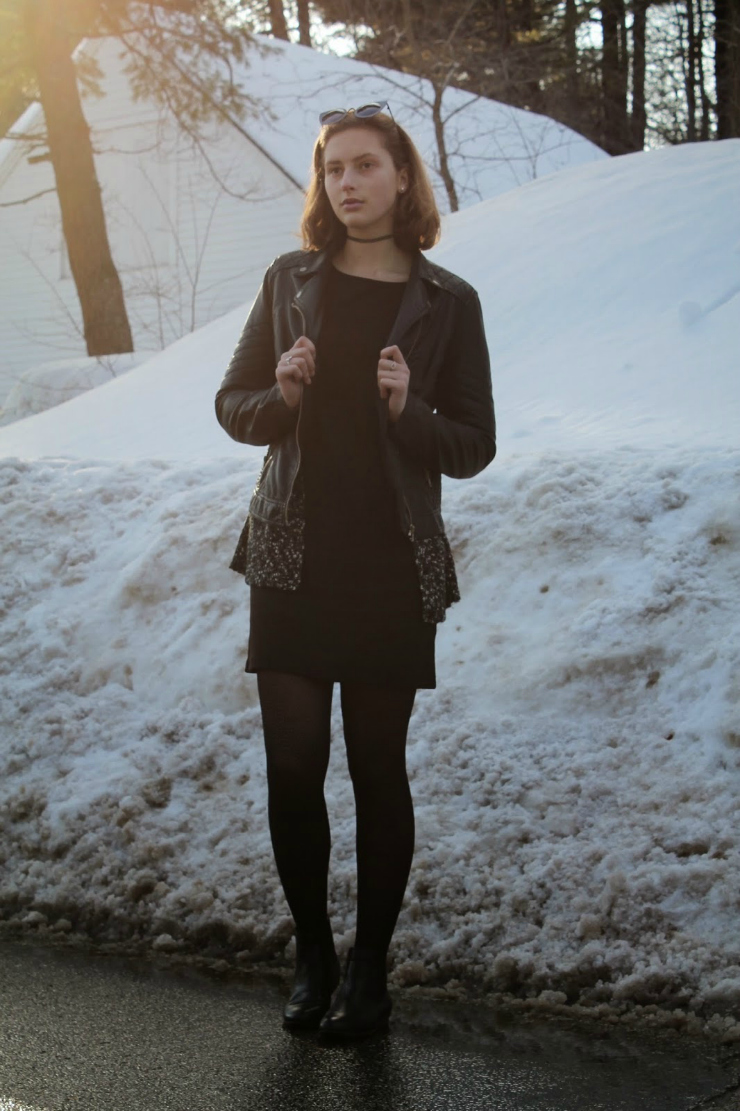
point(356, 614)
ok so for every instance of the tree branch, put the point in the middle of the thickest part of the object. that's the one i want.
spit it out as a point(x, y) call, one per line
point(26, 200)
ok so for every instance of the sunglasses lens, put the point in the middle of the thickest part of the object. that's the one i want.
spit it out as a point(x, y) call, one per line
point(332, 116)
point(336, 115)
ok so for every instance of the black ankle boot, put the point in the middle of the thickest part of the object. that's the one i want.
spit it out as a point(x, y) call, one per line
point(316, 977)
point(362, 1004)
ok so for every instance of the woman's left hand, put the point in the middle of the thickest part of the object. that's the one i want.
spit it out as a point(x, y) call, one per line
point(393, 380)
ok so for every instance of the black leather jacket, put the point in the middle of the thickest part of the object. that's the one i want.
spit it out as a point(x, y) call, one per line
point(447, 425)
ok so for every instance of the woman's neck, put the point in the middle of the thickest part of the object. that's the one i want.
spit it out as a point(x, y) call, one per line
point(384, 261)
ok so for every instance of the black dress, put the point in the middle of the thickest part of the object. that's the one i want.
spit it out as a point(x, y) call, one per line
point(357, 612)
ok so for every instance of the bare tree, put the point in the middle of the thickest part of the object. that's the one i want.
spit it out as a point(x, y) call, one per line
point(638, 116)
point(165, 301)
point(679, 103)
point(514, 51)
point(105, 322)
point(727, 67)
point(304, 22)
point(615, 70)
point(179, 54)
point(278, 23)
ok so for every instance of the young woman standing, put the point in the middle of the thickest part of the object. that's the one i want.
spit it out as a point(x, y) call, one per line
point(365, 370)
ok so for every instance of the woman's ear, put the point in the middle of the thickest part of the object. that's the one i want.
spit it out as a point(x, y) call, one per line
point(403, 180)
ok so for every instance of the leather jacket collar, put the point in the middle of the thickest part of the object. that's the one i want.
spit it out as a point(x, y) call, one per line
point(311, 277)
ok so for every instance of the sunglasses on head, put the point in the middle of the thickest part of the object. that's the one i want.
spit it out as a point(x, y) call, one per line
point(336, 115)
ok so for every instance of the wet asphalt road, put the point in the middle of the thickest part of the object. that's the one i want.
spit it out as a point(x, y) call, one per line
point(86, 1032)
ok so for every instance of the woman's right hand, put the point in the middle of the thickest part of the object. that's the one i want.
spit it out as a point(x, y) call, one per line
point(296, 367)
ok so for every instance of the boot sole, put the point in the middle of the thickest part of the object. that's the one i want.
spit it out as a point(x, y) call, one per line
point(379, 1027)
point(307, 1021)
point(304, 1022)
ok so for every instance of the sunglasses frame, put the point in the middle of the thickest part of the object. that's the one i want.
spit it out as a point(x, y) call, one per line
point(361, 113)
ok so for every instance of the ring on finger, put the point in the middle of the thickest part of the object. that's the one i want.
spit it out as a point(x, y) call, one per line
point(393, 364)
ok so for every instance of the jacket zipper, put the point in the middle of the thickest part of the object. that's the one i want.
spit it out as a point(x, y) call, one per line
point(411, 532)
point(411, 529)
point(298, 424)
point(419, 324)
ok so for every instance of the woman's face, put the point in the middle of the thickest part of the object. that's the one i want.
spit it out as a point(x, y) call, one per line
point(361, 182)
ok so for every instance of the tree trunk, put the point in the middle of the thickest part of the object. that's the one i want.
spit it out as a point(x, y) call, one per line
point(705, 102)
point(570, 28)
point(639, 117)
point(304, 23)
point(623, 73)
point(444, 166)
point(105, 321)
point(727, 67)
point(616, 131)
point(690, 73)
point(277, 20)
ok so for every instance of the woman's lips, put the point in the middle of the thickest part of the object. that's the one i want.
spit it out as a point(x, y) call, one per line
point(351, 204)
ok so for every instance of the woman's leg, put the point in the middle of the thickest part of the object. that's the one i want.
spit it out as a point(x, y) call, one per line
point(376, 720)
point(296, 715)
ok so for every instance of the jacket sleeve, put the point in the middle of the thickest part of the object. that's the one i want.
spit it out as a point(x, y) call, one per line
point(459, 438)
point(249, 404)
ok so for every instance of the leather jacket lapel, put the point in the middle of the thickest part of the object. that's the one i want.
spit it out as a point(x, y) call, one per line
point(310, 282)
point(414, 304)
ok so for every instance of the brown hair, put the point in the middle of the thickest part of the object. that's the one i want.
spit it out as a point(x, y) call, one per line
point(416, 223)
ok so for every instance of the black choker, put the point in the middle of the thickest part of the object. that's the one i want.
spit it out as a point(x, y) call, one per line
point(377, 238)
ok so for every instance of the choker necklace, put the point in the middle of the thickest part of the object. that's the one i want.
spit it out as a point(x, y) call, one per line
point(377, 239)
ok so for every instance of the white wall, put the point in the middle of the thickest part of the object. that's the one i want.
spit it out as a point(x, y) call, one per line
point(186, 250)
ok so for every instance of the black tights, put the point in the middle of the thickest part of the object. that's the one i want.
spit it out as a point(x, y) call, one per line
point(296, 720)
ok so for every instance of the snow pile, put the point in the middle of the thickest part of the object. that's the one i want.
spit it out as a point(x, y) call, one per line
point(576, 772)
point(610, 294)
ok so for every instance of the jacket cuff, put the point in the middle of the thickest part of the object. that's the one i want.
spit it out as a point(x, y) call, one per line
point(415, 431)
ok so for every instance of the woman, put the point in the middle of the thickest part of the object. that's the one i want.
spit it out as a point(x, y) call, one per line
point(364, 367)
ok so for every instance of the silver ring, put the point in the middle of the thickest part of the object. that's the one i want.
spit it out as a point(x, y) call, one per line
point(393, 365)
point(288, 358)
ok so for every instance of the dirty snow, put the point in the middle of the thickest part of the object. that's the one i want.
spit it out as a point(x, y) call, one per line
point(576, 772)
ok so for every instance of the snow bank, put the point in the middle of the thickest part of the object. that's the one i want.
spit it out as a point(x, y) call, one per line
point(575, 774)
point(577, 770)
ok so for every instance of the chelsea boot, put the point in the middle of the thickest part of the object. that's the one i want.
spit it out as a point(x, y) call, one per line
point(362, 1004)
point(316, 976)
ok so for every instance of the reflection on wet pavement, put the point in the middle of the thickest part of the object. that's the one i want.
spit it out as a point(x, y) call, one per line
point(91, 1033)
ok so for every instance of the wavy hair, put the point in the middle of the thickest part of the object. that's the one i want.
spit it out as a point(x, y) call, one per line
point(416, 223)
